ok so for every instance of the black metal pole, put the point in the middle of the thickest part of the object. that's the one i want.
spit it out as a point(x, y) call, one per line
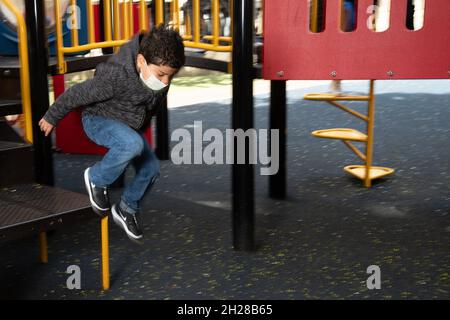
point(277, 182)
point(38, 63)
point(162, 118)
point(410, 15)
point(162, 132)
point(242, 114)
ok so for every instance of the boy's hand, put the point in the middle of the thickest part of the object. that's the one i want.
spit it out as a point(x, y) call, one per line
point(45, 126)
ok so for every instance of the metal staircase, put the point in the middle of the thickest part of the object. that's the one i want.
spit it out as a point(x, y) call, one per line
point(366, 172)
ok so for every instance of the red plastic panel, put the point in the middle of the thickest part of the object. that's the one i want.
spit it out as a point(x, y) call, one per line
point(292, 52)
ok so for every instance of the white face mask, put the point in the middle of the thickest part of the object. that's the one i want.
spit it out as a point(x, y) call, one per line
point(152, 82)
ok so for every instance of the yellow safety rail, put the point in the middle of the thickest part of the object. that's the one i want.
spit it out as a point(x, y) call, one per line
point(192, 34)
point(119, 17)
point(24, 69)
point(119, 22)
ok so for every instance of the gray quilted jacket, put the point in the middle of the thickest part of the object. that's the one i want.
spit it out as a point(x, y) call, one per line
point(115, 92)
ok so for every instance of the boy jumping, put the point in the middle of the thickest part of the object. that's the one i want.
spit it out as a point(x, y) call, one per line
point(118, 104)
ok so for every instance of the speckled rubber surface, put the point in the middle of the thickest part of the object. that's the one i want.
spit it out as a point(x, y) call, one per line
point(316, 244)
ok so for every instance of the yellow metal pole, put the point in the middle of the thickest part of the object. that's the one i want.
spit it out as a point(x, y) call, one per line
point(116, 15)
point(177, 15)
point(370, 124)
point(122, 18)
point(116, 18)
point(188, 24)
point(24, 70)
point(90, 13)
point(131, 19)
point(107, 19)
point(125, 23)
point(59, 39)
point(143, 21)
point(159, 12)
point(314, 15)
point(196, 18)
point(215, 21)
point(231, 17)
point(75, 23)
point(105, 253)
point(349, 110)
point(172, 11)
point(355, 150)
point(43, 252)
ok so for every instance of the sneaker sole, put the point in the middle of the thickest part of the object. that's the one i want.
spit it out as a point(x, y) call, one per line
point(122, 224)
point(88, 188)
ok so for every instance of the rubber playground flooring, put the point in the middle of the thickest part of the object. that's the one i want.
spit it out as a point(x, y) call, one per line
point(316, 244)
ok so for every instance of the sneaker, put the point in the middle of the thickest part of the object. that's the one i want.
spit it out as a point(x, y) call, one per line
point(130, 222)
point(97, 195)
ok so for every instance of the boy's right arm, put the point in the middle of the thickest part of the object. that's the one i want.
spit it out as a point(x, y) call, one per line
point(99, 88)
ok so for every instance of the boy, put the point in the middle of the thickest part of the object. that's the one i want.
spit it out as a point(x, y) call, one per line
point(118, 103)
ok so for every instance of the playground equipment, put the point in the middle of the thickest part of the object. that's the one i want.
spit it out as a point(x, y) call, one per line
point(8, 24)
point(30, 204)
point(106, 25)
point(365, 172)
point(396, 53)
point(291, 51)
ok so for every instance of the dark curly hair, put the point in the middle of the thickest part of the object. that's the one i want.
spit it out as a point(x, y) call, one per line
point(163, 46)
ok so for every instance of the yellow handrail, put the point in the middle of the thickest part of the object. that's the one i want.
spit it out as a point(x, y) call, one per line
point(119, 18)
point(192, 35)
point(119, 26)
point(24, 70)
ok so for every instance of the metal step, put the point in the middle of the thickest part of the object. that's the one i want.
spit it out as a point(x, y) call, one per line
point(359, 171)
point(7, 133)
point(334, 97)
point(16, 163)
point(10, 66)
point(8, 107)
point(31, 208)
point(341, 134)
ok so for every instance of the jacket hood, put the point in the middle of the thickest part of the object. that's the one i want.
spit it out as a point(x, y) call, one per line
point(127, 56)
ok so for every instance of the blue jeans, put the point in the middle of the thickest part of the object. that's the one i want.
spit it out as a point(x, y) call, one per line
point(126, 146)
